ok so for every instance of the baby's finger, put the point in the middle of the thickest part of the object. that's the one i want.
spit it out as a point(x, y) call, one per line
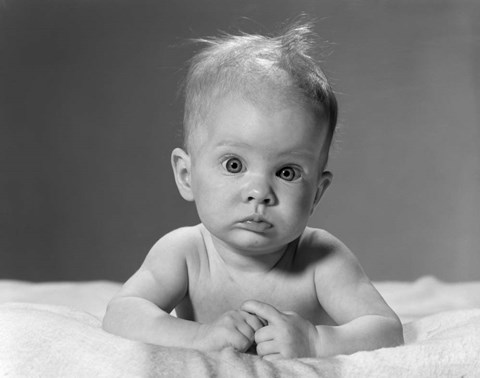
point(262, 310)
point(267, 348)
point(264, 334)
point(273, 357)
point(239, 341)
point(253, 321)
point(245, 329)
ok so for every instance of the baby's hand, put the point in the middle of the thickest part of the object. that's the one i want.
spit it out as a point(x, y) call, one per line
point(287, 334)
point(235, 329)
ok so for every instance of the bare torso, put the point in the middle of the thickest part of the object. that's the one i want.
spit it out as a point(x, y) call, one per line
point(214, 289)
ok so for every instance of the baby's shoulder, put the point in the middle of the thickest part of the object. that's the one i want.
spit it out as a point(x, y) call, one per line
point(179, 243)
point(317, 245)
point(319, 239)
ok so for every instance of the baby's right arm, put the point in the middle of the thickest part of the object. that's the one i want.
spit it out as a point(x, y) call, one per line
point(141, 310)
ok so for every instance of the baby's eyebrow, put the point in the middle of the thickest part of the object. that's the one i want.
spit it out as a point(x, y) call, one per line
point(232, 143)
point(296, 153)
point(305, 155)
point(302, 153)
point(293, 151)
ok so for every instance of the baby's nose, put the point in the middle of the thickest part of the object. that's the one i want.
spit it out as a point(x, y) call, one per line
point(257, 197)
point(260, 192)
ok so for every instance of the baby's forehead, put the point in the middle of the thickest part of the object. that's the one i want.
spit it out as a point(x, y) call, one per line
point(261, 121)
point(270, 93)
point(222, 108)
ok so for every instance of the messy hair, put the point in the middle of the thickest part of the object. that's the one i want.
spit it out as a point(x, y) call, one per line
point(247, 63)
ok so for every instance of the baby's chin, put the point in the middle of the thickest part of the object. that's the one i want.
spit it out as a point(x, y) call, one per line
point(251, 243)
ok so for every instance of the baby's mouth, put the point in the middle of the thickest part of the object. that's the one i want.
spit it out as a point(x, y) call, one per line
point(256, 223)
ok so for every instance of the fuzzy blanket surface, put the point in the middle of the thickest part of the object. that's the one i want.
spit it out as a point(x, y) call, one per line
point(41, 336)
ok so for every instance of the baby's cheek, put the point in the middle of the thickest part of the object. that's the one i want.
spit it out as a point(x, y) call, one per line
point(298, 215)
point(305, 202)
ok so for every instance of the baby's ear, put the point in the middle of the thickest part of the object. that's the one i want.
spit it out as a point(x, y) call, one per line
point(323, 184)
point(181, 169)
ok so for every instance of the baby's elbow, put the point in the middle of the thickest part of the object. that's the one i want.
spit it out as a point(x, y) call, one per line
point(106, 321)
point(111, 319)
point(396, 332)
point(106, 324)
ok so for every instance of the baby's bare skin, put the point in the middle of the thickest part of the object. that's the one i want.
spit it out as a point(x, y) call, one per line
point(215, 288)
point(313, 300)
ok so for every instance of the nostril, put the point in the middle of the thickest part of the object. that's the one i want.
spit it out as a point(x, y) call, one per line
point(266, 201)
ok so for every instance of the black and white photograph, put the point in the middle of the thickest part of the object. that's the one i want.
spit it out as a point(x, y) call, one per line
point(239, 188)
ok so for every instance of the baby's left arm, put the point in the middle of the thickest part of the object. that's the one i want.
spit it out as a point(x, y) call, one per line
point(365, 321)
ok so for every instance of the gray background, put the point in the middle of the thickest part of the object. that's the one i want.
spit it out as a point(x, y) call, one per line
point(89, 114)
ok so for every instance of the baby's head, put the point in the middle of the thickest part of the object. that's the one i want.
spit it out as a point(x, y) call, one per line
point(259, 120)
point(266, 71)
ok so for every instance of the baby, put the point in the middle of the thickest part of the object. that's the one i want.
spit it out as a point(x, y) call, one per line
point(259, 120)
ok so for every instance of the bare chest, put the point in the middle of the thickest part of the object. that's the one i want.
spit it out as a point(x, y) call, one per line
point(213, 294)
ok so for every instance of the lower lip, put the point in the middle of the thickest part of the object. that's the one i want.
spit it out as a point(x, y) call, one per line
point(256, 226)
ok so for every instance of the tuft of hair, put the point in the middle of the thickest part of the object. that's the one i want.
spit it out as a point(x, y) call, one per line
point(249, 64)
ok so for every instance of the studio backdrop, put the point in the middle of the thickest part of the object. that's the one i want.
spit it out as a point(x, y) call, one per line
point(90, 111)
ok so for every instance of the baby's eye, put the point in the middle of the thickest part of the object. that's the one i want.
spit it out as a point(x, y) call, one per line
point(233, 165)
point(289, 174)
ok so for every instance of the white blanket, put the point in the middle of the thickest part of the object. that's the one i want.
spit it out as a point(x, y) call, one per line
point(44, 340)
